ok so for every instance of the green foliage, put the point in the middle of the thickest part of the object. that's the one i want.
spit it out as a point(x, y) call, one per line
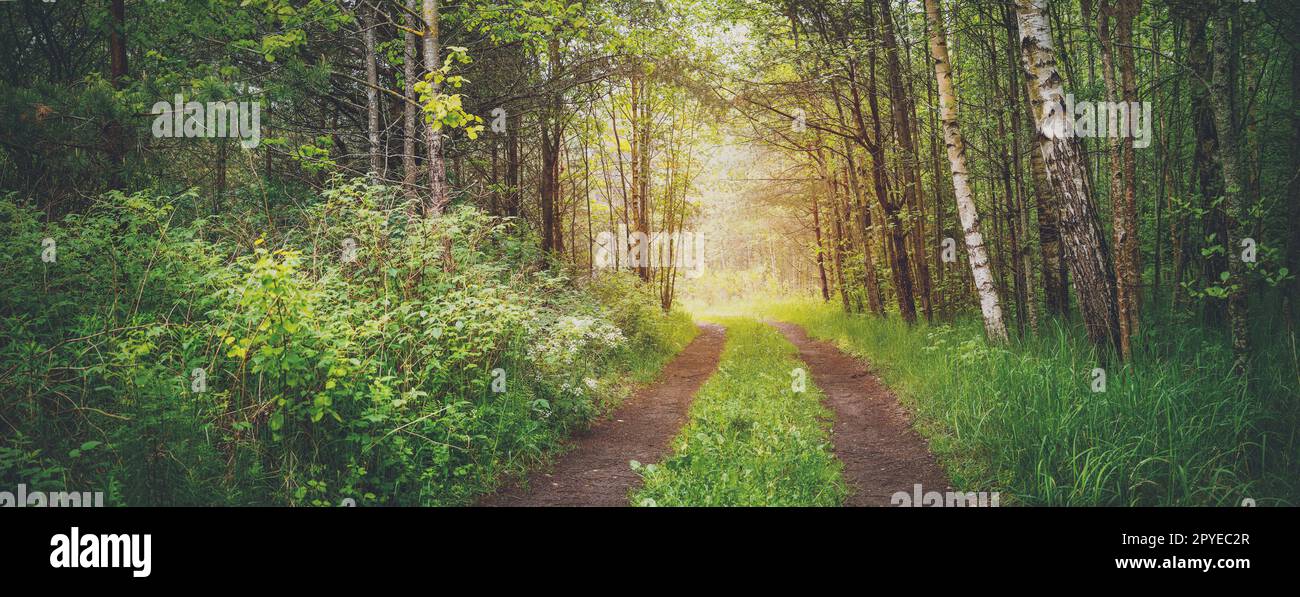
point(350, 355)
point(1172, 428)
point(97, 344)
point(751, 440)
point(443, 109)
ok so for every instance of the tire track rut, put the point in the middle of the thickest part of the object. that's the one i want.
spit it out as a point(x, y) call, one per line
point(872, 433)
point(595, 472)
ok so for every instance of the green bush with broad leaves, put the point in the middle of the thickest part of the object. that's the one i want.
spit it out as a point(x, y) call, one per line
point(359, 352)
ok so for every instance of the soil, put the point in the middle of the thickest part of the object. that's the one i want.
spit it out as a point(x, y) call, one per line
point(596, 470)
point(872, 433)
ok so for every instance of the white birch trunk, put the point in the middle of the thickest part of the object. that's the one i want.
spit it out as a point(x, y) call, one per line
point(990, 305)
point(1085, 246)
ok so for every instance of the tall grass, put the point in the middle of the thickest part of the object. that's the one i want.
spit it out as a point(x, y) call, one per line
point(751, 440)
point(1173, 428)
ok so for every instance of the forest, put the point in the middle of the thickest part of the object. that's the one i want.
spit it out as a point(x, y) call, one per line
point(650, 252)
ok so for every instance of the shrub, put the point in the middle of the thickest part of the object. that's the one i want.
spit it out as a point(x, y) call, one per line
point(352, 354)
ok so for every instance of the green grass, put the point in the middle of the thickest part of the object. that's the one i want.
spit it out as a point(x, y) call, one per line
point(751, 440)
point(647, 357)
point(1172, 429)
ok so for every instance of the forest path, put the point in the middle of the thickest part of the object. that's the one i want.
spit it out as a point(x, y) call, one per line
point(872, 433)
point(595, 472)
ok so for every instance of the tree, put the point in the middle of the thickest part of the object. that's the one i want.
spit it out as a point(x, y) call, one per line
point(368, 25)
point(410, 130)
point(439, 194)
point(114, 133)
point(1225, 123)
point(1050, 249)
point(901, 109)
point(1085, 247)
point(990, 305)
point(896, 234)
point(1123, 171)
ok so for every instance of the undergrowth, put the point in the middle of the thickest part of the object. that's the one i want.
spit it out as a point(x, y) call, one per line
point(1174, 427)
point(347, 352)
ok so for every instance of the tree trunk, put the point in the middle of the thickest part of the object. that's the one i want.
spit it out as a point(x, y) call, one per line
point(552, 139)
point(1026, 294)
point(901, 111)
point(871, 283)
point(1233, 182)
point(368, 24)
point(638, 195)
point(514, 197)
point(1209, 176)
point(894, 233)
point(821, 252)
point(439, 194)
point(1055, 274)
point(410, 134)
point(1127, 242)
point(114, 132)
point(936, 174)
point(1085, 246)
point(1123, 201)
point(990, 305)
point(838, 229)
point(549, 187)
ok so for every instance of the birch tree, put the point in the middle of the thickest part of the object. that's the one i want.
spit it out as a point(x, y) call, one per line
point(1085, 246)
point(990, 305)
point(1050, 249)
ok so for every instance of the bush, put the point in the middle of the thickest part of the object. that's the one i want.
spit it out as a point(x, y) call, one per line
point(359, 353)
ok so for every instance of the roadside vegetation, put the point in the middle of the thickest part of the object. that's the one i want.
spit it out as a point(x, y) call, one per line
point(349, 351)
point(1171, 428)
point(751, 439)
point(297, 252)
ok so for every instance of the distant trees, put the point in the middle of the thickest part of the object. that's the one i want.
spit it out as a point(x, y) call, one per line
point(1139, 228)
point(578, 119)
